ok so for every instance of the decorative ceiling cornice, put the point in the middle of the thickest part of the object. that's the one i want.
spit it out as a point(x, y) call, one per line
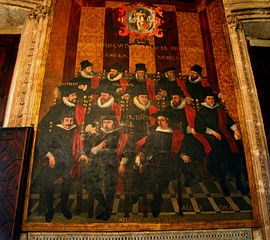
point(25, 4)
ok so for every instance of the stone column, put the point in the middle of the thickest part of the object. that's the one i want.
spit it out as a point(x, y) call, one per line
point(252, 119)
point(26, 86)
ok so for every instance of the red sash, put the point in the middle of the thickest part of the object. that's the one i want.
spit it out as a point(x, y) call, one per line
point(150, 85)
point(222, 121)
point(177, 138)
point(117, 109)
point(124, 84)
point(152, 110)
point(94, 82)
point(191, 113)
point(181, 83)
point(79, 114)
point(77, 145)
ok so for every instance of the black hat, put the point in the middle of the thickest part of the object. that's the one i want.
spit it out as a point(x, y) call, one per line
point(169, 69)
point(68, 89)
point(197, 68)
point(207, 91)
point(109, 115)
point(140, 89)
point(85, 64)
point(176, 91)
point(117, 66)
point(106, 88)
point(163, 113)
point(140, 67)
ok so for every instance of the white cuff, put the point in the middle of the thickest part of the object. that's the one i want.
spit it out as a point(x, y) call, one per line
point(234, 127)
point(49, 155)
point(188, 129)
point(209, 131)
point(123, 160)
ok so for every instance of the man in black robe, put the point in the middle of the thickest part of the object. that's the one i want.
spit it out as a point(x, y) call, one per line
point(67, 103)
point(222, 133)
point(105, 150)
point(104, 105)
point(160, 157)
point(63, 148)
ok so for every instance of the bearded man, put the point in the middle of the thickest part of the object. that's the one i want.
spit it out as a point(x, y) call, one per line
point(63, 148)
point(105, 104)
point(143, 80)
point(222, 134)
point(67, 103)
point(105, 150)
point(193, 85)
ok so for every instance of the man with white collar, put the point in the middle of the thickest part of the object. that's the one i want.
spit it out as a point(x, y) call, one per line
point(168, 82)
point(160, 156)
point(194, 84)
point(221, 132)
point(104, 105)
point(86, 78)
point(67, 103)
point(117, 79)
point(139, 114)
point(142, 79)
point(64, 150)
point(106, 149)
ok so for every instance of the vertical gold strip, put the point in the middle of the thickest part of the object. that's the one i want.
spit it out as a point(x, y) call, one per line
point(190, 41)
point(222, 59)
point(91, 37)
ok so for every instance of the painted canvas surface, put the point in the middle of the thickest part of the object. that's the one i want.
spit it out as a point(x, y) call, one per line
point(138, 119)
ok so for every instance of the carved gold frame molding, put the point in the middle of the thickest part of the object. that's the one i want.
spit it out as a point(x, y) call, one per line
point(26, 86)
point(247, 93)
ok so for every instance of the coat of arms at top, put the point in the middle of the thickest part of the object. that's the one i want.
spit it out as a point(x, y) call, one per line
point(140, 20)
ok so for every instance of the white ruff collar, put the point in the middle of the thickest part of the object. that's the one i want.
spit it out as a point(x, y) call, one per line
point(68, 103)
point(180, 106)
point(118, 77)
point(86, 75)
point(211, 107)
point(106, 104)
point(167, 130)
point(61, 126)
point(139, 105)
point(196, 80)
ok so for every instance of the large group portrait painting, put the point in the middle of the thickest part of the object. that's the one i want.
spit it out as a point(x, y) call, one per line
point(138, 121)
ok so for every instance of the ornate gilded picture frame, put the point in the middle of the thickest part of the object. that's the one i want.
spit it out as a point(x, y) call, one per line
point(140, 125)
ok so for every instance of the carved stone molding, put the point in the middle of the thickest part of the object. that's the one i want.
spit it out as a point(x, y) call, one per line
point(251, 107)
point(26, 77)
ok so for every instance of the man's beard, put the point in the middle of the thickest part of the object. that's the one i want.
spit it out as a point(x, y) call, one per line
point(171, 78)
point(140, 78)
point(89, 73)
point(103, 101)
point(193, 78)
point(175, 104)
point(113, 75)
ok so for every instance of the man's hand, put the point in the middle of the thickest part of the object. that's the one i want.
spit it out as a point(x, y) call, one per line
point(103, 144)
point(237, 135)
point(162, 93)
point(90, 129)
point(193, 132)
point(189, 101)
point(121, 170)
point(186, 159)
point(217, 135)
point(51, 162)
